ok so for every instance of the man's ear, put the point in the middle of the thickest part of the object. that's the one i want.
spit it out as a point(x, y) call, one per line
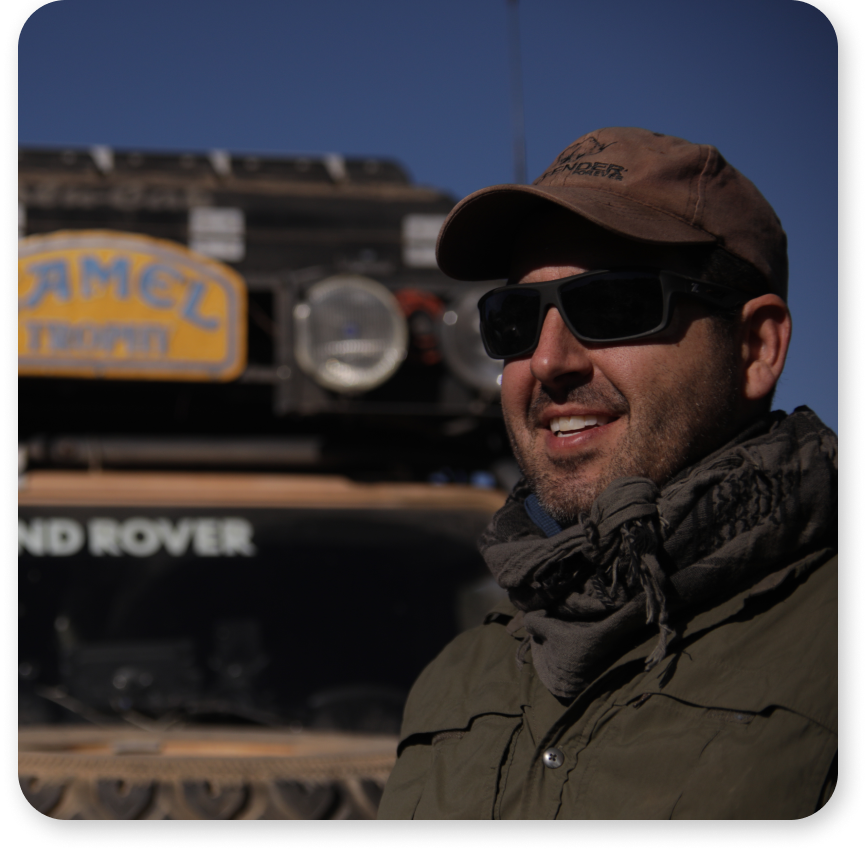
point(765, 337)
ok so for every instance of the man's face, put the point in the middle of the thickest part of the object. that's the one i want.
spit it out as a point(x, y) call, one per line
point(645, 408)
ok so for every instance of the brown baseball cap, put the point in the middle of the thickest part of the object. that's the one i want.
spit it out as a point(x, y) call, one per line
point(642, 185)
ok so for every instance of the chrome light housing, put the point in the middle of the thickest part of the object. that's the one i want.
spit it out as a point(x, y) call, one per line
point(462, 344)
point(350, 333)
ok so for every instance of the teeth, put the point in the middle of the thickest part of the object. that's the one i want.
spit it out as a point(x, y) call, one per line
point(559, 425)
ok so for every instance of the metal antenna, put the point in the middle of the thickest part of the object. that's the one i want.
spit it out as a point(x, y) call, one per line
point(518, 148)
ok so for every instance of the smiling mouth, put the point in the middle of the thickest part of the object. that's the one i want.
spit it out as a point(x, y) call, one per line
point(562, 427)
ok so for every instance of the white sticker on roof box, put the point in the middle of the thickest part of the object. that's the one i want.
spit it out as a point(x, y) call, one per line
point(419, 235)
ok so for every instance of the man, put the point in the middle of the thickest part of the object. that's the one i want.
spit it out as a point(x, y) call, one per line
point(669, 645)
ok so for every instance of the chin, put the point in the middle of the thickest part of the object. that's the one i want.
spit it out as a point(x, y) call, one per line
point(565, 496)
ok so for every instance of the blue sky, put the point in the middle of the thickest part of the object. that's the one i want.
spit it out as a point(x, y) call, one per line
point(428, 84)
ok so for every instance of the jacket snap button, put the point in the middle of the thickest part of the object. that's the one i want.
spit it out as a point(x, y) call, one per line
point(553, 758)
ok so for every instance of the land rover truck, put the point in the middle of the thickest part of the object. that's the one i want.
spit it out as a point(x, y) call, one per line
point(258, 439)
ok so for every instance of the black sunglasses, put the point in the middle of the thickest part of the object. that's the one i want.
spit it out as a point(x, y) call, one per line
point(602, 306)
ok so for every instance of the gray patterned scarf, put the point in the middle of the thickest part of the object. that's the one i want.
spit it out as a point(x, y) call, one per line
point(642, 555)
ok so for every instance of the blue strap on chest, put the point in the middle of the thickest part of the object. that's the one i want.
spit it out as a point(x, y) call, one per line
point(540, 517)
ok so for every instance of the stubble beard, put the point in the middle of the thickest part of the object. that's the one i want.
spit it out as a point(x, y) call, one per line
point(665, 433)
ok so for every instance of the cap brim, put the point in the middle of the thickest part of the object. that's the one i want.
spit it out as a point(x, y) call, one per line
point(478, 236)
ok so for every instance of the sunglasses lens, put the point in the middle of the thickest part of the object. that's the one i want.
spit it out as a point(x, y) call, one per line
point(613, 308)
point(602, 307)
point(509, 321)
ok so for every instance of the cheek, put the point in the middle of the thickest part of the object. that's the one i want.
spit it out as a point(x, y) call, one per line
point(634, 375)
point(648, 373)
point(516, 386)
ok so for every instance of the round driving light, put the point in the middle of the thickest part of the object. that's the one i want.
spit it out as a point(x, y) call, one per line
point(350, 333)
point(462, 345)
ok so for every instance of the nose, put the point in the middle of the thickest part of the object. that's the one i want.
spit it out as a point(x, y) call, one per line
point(560, 359)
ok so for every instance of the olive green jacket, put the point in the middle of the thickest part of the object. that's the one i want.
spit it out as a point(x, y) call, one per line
point(739, 723)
